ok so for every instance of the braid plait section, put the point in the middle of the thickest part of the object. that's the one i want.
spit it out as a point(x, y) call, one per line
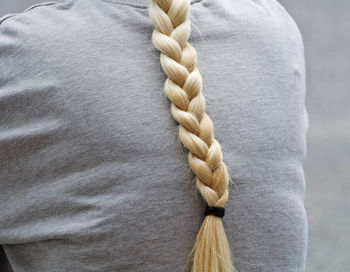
point(172, 27)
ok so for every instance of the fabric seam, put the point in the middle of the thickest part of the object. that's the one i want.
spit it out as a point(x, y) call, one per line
point(43, 4)
point(135, 4)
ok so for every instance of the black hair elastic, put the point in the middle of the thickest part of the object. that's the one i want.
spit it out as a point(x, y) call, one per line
point(217, 211)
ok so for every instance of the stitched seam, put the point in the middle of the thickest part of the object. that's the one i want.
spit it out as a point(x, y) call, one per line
point(3, 18)
point(131, 3)
point(134, 5)
point(44, 4)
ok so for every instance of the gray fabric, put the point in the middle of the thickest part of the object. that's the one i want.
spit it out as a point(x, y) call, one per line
point(93, 177)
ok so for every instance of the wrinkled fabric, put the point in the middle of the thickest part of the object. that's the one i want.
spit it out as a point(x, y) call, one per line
point(92, 174)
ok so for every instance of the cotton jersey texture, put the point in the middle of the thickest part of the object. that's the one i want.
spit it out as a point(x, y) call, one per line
point(92, 175)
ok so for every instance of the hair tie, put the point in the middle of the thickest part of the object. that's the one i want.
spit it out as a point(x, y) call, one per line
point(217, 211)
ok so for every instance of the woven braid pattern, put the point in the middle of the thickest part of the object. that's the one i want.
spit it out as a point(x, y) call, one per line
point(183, 86)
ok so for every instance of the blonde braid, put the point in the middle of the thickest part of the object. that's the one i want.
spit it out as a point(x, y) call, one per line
point(211, 251)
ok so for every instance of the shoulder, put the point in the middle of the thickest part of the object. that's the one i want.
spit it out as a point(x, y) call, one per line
point(31, 23)
point(43, 4)
point(255, 20)
point(259, 33)
point(27, 38)
point(38, 21)
point(35, 15)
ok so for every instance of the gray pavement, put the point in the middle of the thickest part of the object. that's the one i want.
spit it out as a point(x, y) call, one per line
point(325, 26)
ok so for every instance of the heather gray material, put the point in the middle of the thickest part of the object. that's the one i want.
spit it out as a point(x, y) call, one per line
point(92, 175)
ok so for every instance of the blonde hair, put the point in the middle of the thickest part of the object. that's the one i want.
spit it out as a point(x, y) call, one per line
point(211, 251)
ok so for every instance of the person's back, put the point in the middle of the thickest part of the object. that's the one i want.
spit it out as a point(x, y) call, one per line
point(92, 175)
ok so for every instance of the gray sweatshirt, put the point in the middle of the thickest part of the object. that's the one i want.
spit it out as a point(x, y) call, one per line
point(92, 174)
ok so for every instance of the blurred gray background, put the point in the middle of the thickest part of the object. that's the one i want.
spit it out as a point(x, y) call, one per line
point(325, 26)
